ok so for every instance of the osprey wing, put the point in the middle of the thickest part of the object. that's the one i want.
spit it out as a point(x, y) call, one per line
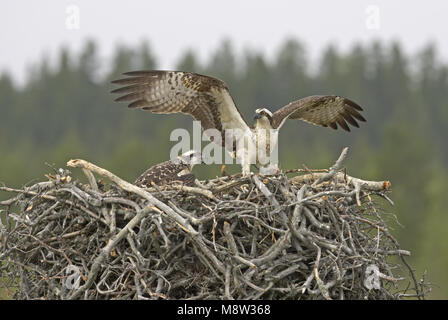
point(321, 110)
point(205, 98)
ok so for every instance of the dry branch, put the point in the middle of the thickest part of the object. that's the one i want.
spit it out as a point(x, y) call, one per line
point(311, 236)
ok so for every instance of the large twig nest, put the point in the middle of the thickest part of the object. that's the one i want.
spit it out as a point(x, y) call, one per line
point(314, 236)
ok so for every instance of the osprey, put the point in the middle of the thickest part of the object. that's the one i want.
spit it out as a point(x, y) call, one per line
point(209, 101)
point(169, 171)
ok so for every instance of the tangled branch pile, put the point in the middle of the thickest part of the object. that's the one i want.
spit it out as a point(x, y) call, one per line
point(314, 236)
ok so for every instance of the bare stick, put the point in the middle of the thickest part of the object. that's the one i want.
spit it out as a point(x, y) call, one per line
point(79, 163)
point(333, 169)
point(105, 252)
point(91, 179)
point(256, 237)
point(340, 178)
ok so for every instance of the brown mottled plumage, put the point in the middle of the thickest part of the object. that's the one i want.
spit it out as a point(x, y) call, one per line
point(171, 171)
point(165, 173)
point(205, 98)
point(320, 110)
point(209, 101)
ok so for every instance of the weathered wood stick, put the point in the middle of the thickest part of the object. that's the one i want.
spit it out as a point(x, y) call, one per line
point(334, 169)
point(342, 178)
point(79, 163)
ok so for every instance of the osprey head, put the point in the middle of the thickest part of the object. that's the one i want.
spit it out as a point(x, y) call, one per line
point(263, 118)
point(191, 157)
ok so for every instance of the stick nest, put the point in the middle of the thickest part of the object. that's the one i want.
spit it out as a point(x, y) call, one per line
point(313, 236)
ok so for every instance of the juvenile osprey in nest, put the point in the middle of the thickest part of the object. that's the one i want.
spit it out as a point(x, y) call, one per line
point(209, 101)
point(170, 171)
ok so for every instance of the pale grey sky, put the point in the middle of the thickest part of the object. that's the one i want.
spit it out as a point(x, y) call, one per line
point(30, 29)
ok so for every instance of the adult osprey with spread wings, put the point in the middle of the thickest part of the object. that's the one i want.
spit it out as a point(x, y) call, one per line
point(209, 101)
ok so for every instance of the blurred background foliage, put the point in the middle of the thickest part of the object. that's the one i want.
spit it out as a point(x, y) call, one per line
point(65, 111)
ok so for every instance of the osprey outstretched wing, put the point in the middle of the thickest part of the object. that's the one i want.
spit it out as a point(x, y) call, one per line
point(208, 100)
point(326, 111)
point(205, 98)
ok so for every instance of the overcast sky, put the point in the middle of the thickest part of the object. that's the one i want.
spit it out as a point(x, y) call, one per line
point(31, 29)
